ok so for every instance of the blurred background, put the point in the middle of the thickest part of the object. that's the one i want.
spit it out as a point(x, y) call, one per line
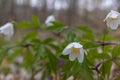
point(71, 12)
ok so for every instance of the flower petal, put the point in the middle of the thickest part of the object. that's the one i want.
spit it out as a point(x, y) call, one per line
point(113, 19)
point(107, 16)
point(69, 45)
point(66, 51)
point(72, 56)
point(49, 20)
point(113, 25)
point(81, 55)
point(77, 45)
point(112, 14)
point(7, 30)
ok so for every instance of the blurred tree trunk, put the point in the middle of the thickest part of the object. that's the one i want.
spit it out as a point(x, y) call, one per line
point(43, 11)
point(71, 12)
point(118, 3)
point(12, 9)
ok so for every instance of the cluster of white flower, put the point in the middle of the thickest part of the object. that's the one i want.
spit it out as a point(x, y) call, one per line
point(75, 50)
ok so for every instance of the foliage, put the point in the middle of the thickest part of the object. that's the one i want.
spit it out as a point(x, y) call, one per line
point(45, 55)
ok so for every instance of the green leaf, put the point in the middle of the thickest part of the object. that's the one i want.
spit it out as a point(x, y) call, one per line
point(28, 59)
point(55, 47)
point(71, 36)
point(88, 36)
point(24, 24)
point(67, 66)
point(116, 51)
point(66, 69)
point(88, 45)
point(118, 78)
point(105, 68)
point(29, 36)
point(35, 21)
point(3, 52)
point(15, 53)
point(102, 56)
point(48, 41)
point(40, 50)
point(52, 60)
point(86, 71)
point(84, 28)
point(107, 37)
point(57, 27)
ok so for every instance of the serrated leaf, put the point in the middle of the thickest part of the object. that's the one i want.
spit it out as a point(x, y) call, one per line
point(29, 36)
point(48, 41)
point(28, 59)
point(15, 53)
point(52, 60)
point(102, 56)
point(86, 71)
point(66, 69)
point(71, 36)
point(105, 68)
point(57, 27)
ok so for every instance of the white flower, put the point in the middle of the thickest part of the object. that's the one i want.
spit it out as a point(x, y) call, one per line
point(112, 19)
point(75, 50)
point(49, 20)
point(7, 30)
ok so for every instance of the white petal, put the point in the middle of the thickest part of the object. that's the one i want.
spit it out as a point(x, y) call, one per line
point(75, 44)
point(81, 55)
point(113, 25)
point(72, 56)
point(7, 30)
point(112, 14)
point(66, 51)
point(69, 46)
point(49, 19)
point(107, 16)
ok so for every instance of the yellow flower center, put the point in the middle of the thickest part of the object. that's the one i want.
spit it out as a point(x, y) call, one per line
point(75, 50)
point(112, 19)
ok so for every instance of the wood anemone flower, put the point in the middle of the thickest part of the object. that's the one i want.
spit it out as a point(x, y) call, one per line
point(112, 19)
point(7, 30)
point(49, 20)
point(75, 50)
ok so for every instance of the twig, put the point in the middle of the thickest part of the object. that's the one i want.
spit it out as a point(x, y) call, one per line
point(97, 66)
point(107, 43)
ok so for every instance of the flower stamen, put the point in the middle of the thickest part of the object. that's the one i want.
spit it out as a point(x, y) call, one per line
point(112, 19)
point(75, 50)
